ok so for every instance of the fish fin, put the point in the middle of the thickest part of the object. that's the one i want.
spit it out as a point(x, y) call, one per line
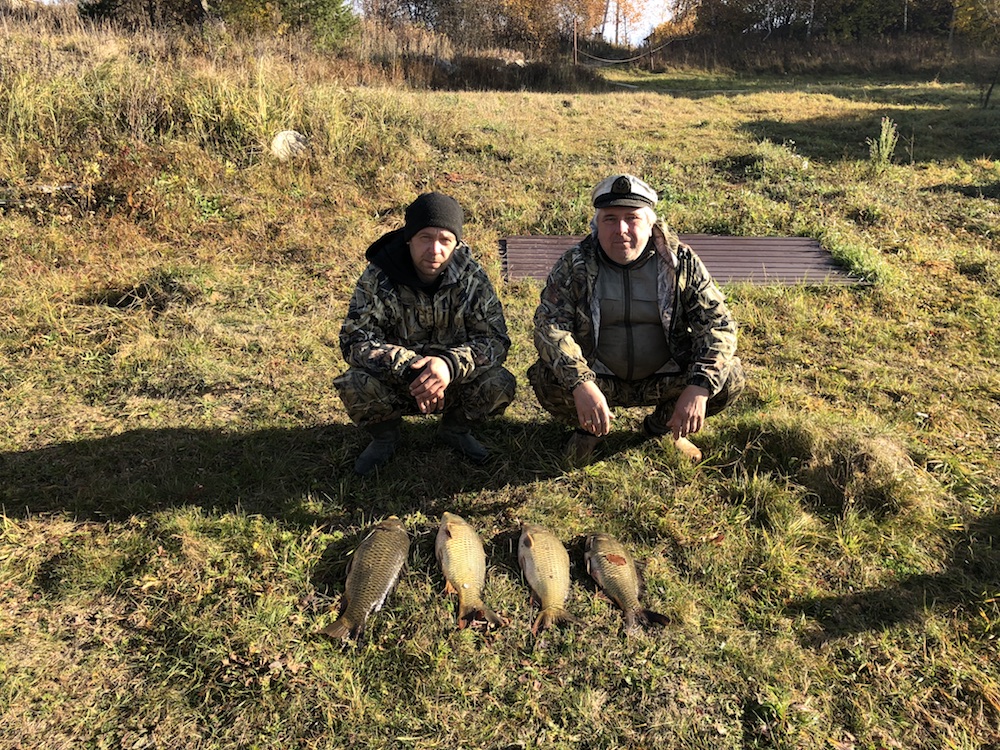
point(339, 629)
point(649, 617)
point(552, 616)
point(640, 578)
point(616, 559)
point(541, 622)
point(449, 588)
point(632, 619)
point(479, 612)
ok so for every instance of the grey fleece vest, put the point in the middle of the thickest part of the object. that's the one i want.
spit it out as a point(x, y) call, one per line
point(631, 344)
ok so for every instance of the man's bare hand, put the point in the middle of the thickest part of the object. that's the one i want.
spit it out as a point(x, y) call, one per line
point(592, 409)
point(689, 412)
point(429, 386)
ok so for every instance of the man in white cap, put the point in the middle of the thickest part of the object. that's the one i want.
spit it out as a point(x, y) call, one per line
point(424, 334)
point(631, 317)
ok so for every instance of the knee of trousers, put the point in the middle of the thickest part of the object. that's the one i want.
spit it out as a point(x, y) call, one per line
point(551, 396)
point(369, 399)
point(732, 388)
point(487, 395)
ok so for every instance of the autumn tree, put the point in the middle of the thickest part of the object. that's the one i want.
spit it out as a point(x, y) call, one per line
point(330, 20)
point(530, 24)
point(619, 17)
point(143, 13)
point(980, 19)
point(839, 20)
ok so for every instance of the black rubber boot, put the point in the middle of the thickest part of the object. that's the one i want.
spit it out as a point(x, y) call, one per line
point(456, 433)
point(655, 423)
point(581, 447)
point(380, 449)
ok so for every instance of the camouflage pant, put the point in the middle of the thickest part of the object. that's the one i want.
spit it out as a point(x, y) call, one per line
point(370, 400)
point(661, 391)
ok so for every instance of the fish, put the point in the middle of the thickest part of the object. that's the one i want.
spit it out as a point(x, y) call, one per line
point(612, 567)
point(372, 574)
point(545, 564)
point(463, 562)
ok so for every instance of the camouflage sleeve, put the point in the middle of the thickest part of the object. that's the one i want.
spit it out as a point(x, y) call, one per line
point(487, 341)
point(555, 341)
point(363, 340)
point(713, 329)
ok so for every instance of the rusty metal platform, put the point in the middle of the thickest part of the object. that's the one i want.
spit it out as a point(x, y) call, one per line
point(753, 260)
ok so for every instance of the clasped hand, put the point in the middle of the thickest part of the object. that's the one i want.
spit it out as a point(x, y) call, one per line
point(429, 386)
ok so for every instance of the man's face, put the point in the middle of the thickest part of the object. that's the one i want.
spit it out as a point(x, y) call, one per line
point(623, 232)
point(431, 249)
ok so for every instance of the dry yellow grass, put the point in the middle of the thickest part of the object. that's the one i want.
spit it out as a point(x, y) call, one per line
point(175, 467)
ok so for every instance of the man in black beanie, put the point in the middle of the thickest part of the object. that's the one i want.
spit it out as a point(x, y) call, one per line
point(424, 334)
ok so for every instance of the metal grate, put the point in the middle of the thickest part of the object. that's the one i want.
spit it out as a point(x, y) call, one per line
point(754, 260)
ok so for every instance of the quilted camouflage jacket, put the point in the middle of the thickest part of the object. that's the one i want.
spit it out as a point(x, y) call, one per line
point(700, 331)
point(392, 321)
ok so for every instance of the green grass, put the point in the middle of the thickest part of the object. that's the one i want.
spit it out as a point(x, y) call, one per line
point(175, 466)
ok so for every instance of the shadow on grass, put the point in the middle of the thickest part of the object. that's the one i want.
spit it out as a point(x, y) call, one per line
point(971, 578)
point(924, 135)
point(989, 191)
point(299, 475)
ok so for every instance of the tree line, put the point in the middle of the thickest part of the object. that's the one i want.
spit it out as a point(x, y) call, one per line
point(834, 20)
point(541, 25)
point(522, 24)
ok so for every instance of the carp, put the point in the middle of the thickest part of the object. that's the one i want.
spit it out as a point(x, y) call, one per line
point(463, 562)
point(613, 568)
point(372, 574)
point(545, 564)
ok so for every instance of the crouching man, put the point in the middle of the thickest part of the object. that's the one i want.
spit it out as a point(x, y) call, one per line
point(631, 317)
point(424, 334)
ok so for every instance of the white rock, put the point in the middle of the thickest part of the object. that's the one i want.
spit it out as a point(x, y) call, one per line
point(289, 144)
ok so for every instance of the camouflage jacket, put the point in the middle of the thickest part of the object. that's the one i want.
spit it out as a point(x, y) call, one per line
point(699, 329)
point(390, 324)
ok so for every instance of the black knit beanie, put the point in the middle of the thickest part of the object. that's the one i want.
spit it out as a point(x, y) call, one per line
point(433, 210)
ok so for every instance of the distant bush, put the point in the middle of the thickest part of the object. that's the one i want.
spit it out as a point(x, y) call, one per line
point(134, 14)
point(330, 21)
point(752, 53)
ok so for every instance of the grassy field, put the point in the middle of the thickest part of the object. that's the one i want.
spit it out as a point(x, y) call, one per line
point(175, 466)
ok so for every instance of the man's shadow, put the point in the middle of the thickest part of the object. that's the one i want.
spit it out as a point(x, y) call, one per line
point(971, 577)
point(302, 475)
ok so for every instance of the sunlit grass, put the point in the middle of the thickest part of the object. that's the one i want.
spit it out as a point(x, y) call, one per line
point(175, 466)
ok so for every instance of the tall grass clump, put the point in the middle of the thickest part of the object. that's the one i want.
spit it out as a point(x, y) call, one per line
point(882, 148)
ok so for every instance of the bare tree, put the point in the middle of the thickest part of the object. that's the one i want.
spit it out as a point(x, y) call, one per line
point(981, 19)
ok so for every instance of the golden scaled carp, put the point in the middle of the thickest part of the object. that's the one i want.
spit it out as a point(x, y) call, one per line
point(463, 562)
point(545, 564)
point(371, 575)
point(613, 568)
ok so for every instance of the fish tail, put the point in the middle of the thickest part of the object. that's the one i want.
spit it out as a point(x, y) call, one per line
point(646, 617)
point(342, 628)
point(475, 611)
point(552, 616)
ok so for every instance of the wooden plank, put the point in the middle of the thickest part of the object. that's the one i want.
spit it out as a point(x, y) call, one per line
point(730, 259)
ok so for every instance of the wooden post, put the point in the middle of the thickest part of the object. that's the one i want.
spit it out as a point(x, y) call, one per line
point(576, 54)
